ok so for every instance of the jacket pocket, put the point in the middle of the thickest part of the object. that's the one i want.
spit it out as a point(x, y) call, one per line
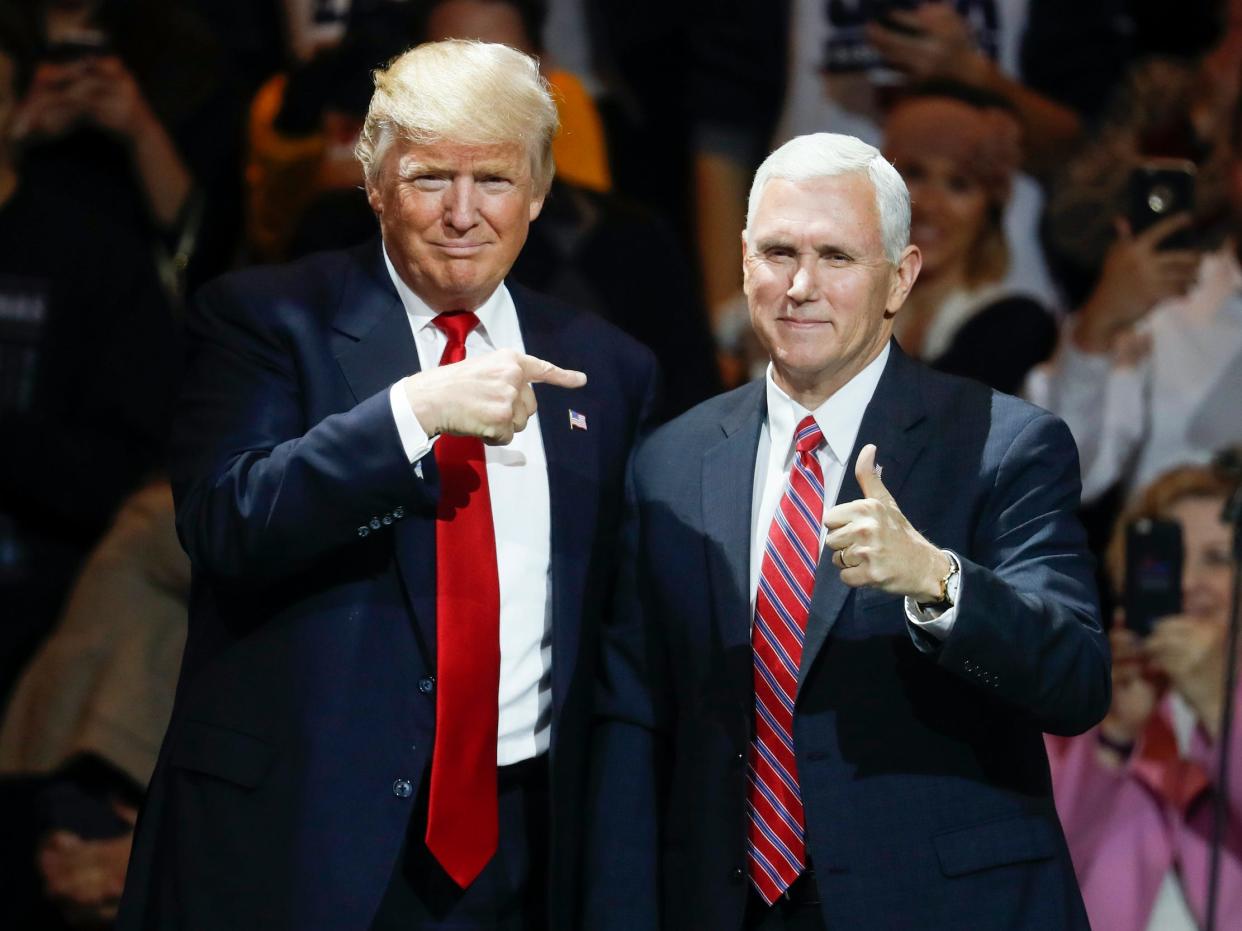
point(1020, 839)
point(222, 752)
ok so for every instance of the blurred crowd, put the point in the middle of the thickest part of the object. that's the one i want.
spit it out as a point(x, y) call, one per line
point(1076, 176)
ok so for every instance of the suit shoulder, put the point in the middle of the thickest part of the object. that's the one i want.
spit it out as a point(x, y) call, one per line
point(313, 282)
point(697, 428)
point(949, 396)
point(583, 326)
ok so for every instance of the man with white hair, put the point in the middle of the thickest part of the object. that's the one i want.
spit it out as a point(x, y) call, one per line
point(853, 596)
point(401, 512)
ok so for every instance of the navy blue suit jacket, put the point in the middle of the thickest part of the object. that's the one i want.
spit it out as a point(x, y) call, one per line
point(307, 690)
point(922, 767)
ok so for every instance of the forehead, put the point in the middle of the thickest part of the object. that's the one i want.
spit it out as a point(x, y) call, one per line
point(838, 207)
point(1200, 515)
point(509, 157)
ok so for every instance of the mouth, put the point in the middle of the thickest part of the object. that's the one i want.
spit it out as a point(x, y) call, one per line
point(799, 323)
point(461, 249)
point(925, 234)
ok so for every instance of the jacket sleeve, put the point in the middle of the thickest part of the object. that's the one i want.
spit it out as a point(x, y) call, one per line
point(262, 492)
point(1030, 629)
point(629, 753)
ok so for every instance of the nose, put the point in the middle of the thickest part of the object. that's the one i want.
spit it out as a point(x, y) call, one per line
point(460, 209)
point(803, 287)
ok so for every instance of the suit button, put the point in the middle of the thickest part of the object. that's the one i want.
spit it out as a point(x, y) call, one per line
point(402, 788)
point(737, 874)
point(386, 519)
point(398, 512)
point(427, 684)
point(363, 531)
point(375, 523)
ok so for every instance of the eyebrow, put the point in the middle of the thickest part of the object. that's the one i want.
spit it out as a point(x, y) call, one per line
point(777, 242)
point(480, 170)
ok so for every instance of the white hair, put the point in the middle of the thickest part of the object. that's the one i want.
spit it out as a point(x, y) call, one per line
point(827, 155)
point(463, 91)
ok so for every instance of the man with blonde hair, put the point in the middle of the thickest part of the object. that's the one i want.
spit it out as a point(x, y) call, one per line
point(400, 496)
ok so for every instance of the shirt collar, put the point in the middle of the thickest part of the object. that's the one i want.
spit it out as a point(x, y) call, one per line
point(497, 318)
point(839, 417)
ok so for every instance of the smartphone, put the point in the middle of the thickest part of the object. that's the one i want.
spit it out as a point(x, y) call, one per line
point(1161, 188)
point(84, 44)
point(1153, 573)
point(881, 11)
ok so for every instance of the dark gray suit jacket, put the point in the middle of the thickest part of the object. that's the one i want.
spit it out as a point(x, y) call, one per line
point(926, 788)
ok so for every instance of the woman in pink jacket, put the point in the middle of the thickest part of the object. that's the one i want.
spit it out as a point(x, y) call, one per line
point(1136, 794)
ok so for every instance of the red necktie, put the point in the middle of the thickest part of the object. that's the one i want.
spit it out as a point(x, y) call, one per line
point(776, 832)
point(461, 818)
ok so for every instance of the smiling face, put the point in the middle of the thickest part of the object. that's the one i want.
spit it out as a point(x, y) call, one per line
point(822, 293)
point(949, 213)
point(454, 217)
point(1207, 571)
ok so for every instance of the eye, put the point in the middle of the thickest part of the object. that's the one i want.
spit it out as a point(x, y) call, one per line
point(837, 258)
point(496, 183)
point(961, 184)
point(778, 253)
point(1217, 558)
point(429, 182)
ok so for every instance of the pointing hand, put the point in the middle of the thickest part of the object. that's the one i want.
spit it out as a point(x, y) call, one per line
point(488, 396)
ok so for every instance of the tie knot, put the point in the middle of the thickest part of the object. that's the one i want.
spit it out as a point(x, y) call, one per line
point(456, 325)
point(808, 436)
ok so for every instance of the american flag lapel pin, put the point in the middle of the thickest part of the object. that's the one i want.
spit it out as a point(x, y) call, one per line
point(577, 421)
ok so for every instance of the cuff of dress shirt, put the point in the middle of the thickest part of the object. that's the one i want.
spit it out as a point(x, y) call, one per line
point(414, 439)
point(939, 624)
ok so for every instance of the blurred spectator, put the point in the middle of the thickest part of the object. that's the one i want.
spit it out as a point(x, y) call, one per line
point(1148, 372)
point(130, 112)
point(1136, 793)
point(303, 126)
point(846, 60)
point(80, 738)
point(88, 359)
point(958, 150)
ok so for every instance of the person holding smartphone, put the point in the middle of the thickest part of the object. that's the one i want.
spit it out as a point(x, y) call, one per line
point(1135, 794)
point(1149, 368)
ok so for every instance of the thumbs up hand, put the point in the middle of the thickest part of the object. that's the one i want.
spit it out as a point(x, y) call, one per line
point(874, 545)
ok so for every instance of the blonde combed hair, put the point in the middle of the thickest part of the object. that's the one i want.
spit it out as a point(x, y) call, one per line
point(462, 91)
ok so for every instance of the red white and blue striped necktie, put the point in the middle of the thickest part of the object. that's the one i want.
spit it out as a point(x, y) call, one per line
point(776, 833)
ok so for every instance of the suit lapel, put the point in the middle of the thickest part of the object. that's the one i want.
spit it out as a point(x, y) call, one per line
point(572, 457)
point(894, 421)
point(728, 484)
point(374, 347)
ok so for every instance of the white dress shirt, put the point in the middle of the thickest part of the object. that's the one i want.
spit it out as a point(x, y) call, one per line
point(838, 418)
point(1134, 420)
point(517, 477)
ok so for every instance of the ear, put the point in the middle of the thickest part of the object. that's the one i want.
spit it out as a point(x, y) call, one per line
point(745, 264)
point(904, 276)
point(374, 198)
point(536, 206)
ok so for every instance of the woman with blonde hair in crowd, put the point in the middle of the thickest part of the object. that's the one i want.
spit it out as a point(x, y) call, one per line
point(958, 149)
point(1136, 795)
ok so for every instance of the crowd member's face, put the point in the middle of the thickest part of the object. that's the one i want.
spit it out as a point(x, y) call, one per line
point(822, 293)
point(948, 213)
point(454, 217)
point(485, 20)
point(1207, 573)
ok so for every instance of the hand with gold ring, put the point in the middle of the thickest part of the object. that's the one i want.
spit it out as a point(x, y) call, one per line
point(838, 559)
point(874, 545)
